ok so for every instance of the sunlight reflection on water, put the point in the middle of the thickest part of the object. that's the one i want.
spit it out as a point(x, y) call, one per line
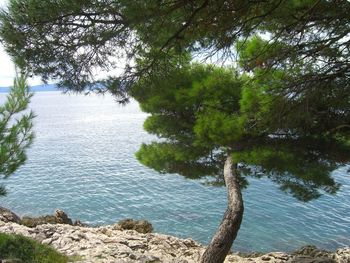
point(83, 162)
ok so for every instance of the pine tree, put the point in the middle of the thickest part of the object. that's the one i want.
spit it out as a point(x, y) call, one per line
point(218, 122)
point(284, 112)
point(16, 128)
point(76, 39)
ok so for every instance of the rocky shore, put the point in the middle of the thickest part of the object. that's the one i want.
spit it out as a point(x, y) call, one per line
point(115, 244)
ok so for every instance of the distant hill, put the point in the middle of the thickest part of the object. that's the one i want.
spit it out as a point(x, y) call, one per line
point(36, 88)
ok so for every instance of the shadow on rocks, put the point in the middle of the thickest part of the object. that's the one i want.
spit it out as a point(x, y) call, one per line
point(8, 216)
point(59, 217)
point(141, 226)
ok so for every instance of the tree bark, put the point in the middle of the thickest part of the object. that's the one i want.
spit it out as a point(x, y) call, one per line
point(222, 241)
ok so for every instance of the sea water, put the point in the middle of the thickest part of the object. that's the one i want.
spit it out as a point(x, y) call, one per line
point(83, 162)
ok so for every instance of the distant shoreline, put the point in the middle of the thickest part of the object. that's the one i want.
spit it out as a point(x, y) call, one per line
point(35, 88)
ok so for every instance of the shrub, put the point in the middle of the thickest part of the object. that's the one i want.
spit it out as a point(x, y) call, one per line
point(25, 250)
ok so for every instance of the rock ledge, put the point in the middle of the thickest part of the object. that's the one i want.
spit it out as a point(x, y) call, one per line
point(110, 244)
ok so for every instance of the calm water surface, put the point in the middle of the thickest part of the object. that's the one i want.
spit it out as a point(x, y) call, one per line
point(83, 162)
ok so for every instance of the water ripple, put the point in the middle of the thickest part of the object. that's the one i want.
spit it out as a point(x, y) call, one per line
point(83, 162)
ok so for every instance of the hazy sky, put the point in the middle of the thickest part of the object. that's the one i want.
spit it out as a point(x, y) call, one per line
point(6, 65)
point(7, 69)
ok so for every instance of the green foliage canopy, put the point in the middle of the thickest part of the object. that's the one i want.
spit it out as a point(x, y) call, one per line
point(76, 37)
point(206, 112)
point(294, 55)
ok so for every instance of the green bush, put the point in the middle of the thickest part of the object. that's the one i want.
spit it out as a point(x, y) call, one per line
point(25, 250)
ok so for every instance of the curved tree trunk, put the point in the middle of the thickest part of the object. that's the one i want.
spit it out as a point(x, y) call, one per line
point(222, 241)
